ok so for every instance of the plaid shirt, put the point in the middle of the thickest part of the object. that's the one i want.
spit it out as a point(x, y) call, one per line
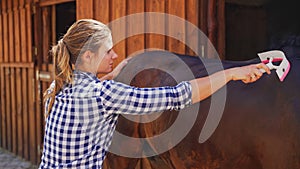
point(83, 118)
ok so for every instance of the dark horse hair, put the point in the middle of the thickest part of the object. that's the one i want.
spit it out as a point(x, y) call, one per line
point(289, 44)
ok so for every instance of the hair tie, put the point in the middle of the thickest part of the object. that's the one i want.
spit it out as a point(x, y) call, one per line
point(64, 42)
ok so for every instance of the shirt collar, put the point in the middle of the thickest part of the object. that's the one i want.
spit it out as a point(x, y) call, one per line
point(81, 75)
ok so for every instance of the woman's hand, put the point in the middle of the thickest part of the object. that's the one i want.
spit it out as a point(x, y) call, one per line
point(113, 74)
point(120, 66)
point(248, 74)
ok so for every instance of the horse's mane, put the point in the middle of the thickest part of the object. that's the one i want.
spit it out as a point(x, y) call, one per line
point(289, 44)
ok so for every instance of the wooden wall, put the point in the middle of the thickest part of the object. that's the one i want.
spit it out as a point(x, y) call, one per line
point(208, 15)
point(20, 125)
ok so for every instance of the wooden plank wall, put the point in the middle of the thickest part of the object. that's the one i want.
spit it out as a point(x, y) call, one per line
point(208, 15)
point(17, 73)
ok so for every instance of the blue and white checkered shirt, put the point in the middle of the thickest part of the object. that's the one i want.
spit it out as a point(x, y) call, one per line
point(83, 118)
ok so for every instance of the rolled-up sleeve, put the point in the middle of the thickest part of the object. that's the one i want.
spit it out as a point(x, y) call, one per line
point(124, 99)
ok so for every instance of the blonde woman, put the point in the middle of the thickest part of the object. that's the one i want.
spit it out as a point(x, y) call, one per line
point(81, 110)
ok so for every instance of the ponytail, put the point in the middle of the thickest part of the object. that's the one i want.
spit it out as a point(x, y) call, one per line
point(62, 72)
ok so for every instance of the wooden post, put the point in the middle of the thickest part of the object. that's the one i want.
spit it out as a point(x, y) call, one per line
point(25, 113)
point(46, 34)
point(203, 26)
point(8, 108)
point(177, 8)
point(40, 59)
point(135, 43)
point(5, 30)
point(24, 80)
point(23, 28)
point(31, 87)
point(118, 10)
point(212, 28)
point(154, 40)
point(101, 10)
point(3, 120)
point(192, 16)
point(1, 36)
point(3, 110)
point(221, 28)
point(84, 9)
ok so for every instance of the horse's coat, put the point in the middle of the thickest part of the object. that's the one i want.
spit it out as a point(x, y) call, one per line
point(260, 127)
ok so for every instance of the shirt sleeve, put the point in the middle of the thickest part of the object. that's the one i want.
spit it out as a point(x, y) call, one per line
point(124, 99)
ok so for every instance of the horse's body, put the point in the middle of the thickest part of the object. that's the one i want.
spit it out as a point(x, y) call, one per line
point(259, 129)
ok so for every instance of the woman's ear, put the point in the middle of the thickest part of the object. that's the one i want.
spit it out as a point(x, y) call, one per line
point(87, 56)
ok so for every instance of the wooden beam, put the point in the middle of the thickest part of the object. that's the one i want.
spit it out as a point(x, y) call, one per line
point(84, 9)
point(177, 29)
point(17, 34)
point(44, 3)
point(221, 29)
point(118, 10)
point(1, 38)
point(29, 32)
point(23, 28)
point(25, 114)
point(212, 22)
point(23, 80)
point(18, 65)
point(32, 116)
point(46, 34)
point(3, 110)
point(5, 31)
point(19, 112)
point(192, 16)
point(13, 112)
point(203, 16)
point(156, 24)
point(135, 43)
point(212, 29)
point(53, 28)
point(101, 10)
point(8, 108)
point(11, 33)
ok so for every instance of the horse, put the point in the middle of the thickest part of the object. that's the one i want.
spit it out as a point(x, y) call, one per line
point(259, 128)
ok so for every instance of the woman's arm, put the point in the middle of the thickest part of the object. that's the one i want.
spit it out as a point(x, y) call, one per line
point(206, 86)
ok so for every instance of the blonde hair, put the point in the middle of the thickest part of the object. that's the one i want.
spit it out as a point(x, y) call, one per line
point(83, 35)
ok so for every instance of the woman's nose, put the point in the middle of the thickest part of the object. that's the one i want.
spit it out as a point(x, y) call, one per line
point(114, 55)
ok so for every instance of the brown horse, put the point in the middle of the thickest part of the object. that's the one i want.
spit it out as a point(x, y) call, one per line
point(259, 129)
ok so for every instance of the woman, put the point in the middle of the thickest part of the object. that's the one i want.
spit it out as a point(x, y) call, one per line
point(82, 110)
